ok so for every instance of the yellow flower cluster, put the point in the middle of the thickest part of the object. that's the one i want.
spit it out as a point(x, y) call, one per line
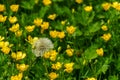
point(106, 37)
point(15, 29)
point(106, 6)
point(100, 52)
point(17, 77)
point(52, 54)
point(70, 52)
point(22, 67)
point(88, 8)
point(14, 7)
point(53, 75)
point(92, 78)
point(5, 46)
point(47, 2)
point(52, 16)
point(69, 67)
point(18, 55)
point(55, 34)
point(78, 1)
point(104, 28)
point(30, 28)
point(3, 18)
point(56, 66)
point(70, 29)
point(2, 7)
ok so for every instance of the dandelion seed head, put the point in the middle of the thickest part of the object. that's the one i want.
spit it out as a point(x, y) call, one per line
point(41, 46)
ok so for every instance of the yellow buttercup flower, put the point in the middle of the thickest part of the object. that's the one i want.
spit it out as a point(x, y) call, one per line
point(52, 16)
point(45, 25)
point(47, 2)
point(46, 55)
point(104, 28)
point(31, 40)
point(38, 21)
point(3, 18)
point(22, 67)
point(53, 34)
point(53, 76)
point(92, 78)
point(14, 7)
point(106, 37)
point(78, 1)
point(14, 28)
point(61, 34)
point(70, 52)
point(88, 8)
point(100, 52)
point(2, 7)
point(12, 19)
point(106, 6)
point(17, 77)
point(5, 50)
point(30, 28)
point(19, 55)
point(4, 44)
point(69, 67)
point(53, 55)
point(116, 5)
point(18, 33)
point(56, 66)
point(70, 29)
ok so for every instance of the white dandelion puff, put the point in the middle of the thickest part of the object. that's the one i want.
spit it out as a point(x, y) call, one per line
point(41, 46)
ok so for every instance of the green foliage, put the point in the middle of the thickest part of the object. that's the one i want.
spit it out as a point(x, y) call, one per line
point(87, 37)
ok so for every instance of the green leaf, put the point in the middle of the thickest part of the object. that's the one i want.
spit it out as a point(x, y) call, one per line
point(43, 11)
point(77, 33)
point(113, 77)
point(94, 27)
point(28, 5)
point(90, 53)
